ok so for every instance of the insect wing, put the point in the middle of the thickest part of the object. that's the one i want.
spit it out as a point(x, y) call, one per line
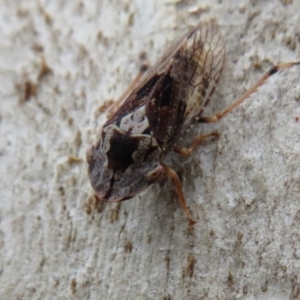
point(199, 67)
point(184, 81)
point(175, 91)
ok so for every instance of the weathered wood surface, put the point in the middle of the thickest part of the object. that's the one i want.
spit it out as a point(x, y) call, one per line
point(243, 188)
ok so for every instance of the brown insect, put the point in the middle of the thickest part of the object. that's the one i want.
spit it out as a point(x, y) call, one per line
point(160, 107)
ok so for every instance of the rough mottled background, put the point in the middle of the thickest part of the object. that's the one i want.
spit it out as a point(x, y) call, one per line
point(59, 62)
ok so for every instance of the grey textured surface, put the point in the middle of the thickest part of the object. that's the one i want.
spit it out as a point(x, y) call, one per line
point(242, 188)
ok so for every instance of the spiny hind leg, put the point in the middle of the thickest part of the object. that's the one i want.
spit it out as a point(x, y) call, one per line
point(195, 143)
point(173, 176)
point(237, 102)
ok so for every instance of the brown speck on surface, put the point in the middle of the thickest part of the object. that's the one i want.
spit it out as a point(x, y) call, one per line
point(45, 69)
point(297, 119)
point(191, 261)
point(114, 215)
point(239, 237)
point(105, 106)
point(295, 292)
point(47, 17)
point(98, 204)
point(264, 286)
point(38, 48)
point(22, 12)
point(45, 14)
point(283, 268)
point(190, 231)
point(74, 159)
point(88, 209)
point(128, 247)
point(78, 139)
point(61, 191)
point(30, 87)
point(102, 39)
point(253, 14)
point(73, 285)
point(257, 65)
point(286, 2)
point(89, 204)
point(93, 203)
point(230, 278)
point(149, 238)
point(167, 260)
point(144, 63)
point(290, 42)
point(143, 56)
point(29, 91)
point(131, 19)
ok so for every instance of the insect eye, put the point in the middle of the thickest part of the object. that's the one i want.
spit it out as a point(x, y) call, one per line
point(154, 174)
point(89, 154)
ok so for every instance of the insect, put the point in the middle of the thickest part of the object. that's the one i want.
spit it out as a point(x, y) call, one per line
point(156, 113)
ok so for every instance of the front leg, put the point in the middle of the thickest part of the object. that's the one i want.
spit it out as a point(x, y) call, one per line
point(172, 175)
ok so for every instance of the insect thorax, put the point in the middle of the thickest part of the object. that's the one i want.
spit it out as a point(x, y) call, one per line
point(125, 158)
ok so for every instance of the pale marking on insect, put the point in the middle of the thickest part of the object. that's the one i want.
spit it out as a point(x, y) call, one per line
point(136, 122)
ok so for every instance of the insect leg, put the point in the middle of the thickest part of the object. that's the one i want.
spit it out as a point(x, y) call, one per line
point(195, 143)
point(221, 114)
point(172, 174)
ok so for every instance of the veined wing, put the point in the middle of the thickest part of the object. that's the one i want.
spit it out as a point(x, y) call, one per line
point(185, 79)
point(198, 67)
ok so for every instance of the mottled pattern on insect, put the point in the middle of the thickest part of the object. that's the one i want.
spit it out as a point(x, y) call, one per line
point(128, 157)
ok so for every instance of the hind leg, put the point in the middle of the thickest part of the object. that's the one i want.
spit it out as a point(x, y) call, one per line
point(237, 102)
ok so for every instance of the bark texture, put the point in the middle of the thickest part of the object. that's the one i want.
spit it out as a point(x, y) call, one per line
point(60, 62)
